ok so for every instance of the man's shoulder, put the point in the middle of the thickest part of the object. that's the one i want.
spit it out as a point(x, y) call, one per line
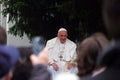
point(53, 39)
point(71, 42)
point(50, 43)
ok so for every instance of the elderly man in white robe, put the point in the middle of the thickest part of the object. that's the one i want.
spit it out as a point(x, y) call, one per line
point(62, 53)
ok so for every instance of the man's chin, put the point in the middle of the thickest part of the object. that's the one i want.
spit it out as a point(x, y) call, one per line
point(63, 42)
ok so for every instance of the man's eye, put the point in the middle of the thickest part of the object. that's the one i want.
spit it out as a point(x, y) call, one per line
point(61, 35)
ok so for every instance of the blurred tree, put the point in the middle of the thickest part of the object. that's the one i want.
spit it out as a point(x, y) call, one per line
point(44, 17)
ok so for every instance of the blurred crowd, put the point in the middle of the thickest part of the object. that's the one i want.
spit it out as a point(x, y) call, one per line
point(94, 58)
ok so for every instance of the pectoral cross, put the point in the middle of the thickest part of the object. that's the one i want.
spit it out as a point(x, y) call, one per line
point(60, 57)
point(61, 51)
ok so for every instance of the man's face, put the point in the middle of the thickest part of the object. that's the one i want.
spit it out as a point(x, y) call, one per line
point(62, 35)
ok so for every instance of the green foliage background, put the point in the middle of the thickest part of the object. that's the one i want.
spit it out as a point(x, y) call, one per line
point(44, 17)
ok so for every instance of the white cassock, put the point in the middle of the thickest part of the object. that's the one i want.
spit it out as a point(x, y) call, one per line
point(61, 54)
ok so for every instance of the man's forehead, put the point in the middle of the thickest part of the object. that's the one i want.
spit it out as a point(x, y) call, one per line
point(62, 33)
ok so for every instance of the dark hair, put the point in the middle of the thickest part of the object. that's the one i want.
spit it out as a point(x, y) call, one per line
point(23, 67)
point(22, 71)
point(3, 36)
point(111, 15)
point(88, 51)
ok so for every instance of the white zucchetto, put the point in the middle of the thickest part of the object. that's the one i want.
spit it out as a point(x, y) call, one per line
point(62, 29)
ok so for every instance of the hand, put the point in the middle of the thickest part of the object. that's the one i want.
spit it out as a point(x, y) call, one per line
point(70, 66)
point(42, 58)
point(55, 66)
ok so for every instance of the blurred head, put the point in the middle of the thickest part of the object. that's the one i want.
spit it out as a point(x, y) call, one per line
point(62, 35)
point(111, 16)
point(23, 67)
point(3, 36)
point(8, 58)
point(101, 38)
point(22, 70)
point(88, 51)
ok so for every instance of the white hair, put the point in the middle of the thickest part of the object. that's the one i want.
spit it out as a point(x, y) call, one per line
point(62, 29)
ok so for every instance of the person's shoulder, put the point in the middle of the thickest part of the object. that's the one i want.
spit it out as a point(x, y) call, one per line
point(71, 42)
point(53, 39)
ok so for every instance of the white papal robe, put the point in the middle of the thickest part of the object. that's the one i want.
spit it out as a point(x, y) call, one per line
point(57, 49)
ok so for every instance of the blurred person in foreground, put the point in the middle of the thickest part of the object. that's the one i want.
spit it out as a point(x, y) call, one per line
point(23, 67)
point(110, 57)
point(40, 63)
point(33, 62)
point(8, 58)
point(62, 53)
point(88, 50)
